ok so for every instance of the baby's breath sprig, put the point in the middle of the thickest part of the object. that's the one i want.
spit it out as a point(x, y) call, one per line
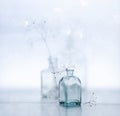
point(92, 101)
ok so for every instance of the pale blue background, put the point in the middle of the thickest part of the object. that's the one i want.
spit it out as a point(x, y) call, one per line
point(96, 26)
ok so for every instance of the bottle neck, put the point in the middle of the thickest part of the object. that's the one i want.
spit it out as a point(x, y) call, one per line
point(70, 72)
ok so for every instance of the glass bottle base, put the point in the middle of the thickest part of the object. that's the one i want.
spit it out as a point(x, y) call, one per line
point(70, 104)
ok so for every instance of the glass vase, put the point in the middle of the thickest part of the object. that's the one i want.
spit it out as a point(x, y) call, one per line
point(70, 90)
point(49, 87)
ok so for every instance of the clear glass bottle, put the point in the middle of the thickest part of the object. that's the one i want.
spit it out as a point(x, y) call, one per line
point(70, 90)
point(48, 80)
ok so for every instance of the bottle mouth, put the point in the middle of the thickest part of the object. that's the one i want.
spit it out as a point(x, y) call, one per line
point(69, 72)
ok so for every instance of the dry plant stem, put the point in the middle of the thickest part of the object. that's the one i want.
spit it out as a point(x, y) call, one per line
point(43, 35)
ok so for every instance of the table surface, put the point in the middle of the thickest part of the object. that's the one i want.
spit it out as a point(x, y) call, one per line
point(54, 109)
point(29, 104)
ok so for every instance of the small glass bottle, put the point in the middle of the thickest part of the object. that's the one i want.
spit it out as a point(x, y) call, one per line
point(48, 80)
point(70, 90)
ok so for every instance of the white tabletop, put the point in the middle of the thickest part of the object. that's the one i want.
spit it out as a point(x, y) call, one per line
point(53, 109)
point(29, 104)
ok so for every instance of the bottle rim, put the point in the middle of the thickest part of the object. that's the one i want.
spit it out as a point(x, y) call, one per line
point(69, 69)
